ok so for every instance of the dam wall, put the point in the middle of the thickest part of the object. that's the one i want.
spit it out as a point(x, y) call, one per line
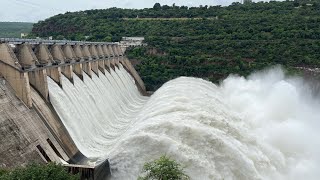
point(24, 136)
point(31, 129)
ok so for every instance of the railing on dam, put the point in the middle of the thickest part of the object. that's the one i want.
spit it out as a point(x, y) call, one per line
point(53, 52)
point(44, 41)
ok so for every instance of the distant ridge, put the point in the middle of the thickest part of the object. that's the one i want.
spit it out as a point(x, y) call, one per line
point(14, 29)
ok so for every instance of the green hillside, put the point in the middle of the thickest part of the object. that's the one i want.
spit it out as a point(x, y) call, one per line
point(14, 29)
point(207, 41)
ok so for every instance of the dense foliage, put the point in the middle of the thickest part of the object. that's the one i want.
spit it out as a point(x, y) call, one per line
point(50, 171)
point(163, 169)
point(207, 41)
point(14, 29)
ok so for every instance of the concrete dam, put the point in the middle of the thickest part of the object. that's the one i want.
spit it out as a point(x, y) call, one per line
point(82, 104)
point(35, 74)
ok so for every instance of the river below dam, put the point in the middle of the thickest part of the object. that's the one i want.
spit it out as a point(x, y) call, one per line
point(265, 126)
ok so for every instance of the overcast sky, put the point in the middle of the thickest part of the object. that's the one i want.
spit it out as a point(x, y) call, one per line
point(35, 10)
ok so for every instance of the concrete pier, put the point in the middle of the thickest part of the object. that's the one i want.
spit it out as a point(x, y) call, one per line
point(78, 52)
point(69, 53)
point(26, 56)
point(77, 69)
point(107, 56)
point(55, 74)
point(101, 64)
point(68, 72)
point(95, 57)
point(38, 79)
point(43, 55)
point(57, 54)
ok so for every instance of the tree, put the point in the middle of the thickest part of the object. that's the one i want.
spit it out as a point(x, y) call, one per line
point(247, 1)
point(3, 172)
point(165, 7)
point(157, 6)
point(162, 169)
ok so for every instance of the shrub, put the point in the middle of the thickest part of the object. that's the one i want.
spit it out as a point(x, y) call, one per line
point(163, 169)
point(3, 172)
point(50, 171)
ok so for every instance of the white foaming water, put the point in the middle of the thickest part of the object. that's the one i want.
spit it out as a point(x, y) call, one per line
point(262, 127)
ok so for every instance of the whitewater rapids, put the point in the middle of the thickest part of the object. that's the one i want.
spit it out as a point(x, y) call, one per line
point(262, 127)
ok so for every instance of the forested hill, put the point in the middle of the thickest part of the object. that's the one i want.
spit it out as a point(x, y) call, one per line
point(14, 29)
point(208, 42)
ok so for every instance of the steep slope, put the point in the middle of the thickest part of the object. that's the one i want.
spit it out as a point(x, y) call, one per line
point(207, 42)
